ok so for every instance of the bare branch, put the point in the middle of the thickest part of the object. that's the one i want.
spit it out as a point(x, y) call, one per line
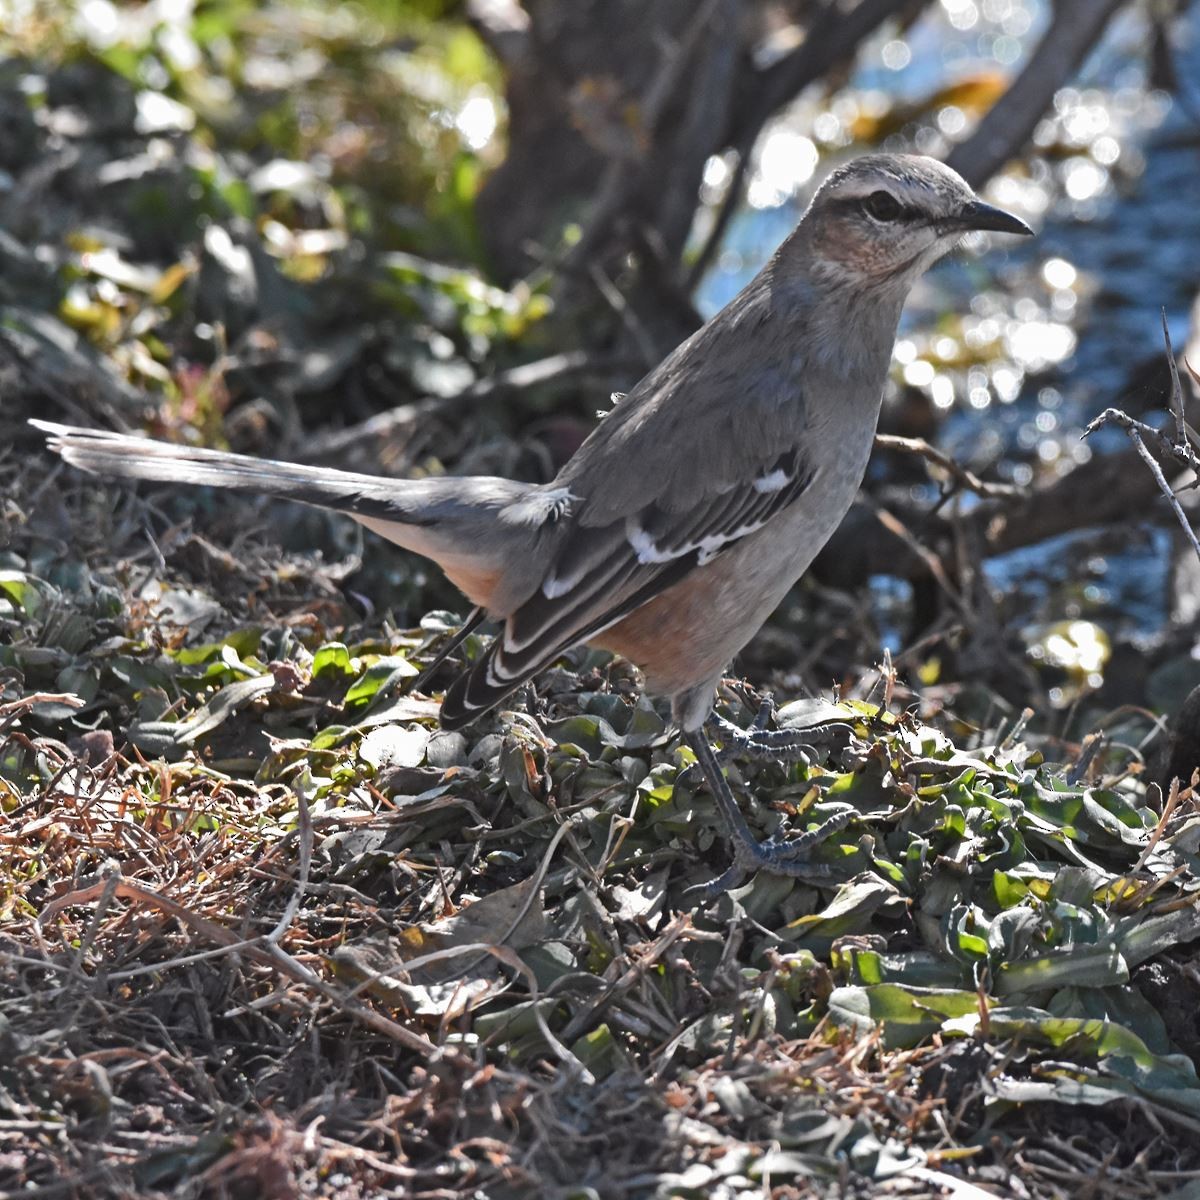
point(963, 477)
point(716, 235)
point(1138, 433)
point(1180, 451)
point(833, 38)
point(625, 175)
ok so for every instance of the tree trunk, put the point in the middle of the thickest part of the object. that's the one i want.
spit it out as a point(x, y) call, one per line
point(614, 107)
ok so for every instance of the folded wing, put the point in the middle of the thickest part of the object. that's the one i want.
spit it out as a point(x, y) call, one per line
point(602, 573)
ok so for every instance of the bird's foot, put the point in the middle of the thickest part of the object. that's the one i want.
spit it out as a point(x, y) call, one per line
point(777, 855)
point(758, 742)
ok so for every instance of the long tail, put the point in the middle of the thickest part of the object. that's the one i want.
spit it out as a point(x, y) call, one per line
point(107, 453)
point(474, 527)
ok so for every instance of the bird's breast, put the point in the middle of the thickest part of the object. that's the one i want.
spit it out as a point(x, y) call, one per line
point(690, 632)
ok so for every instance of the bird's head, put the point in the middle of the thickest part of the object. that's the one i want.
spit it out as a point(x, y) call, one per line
point(882, 219)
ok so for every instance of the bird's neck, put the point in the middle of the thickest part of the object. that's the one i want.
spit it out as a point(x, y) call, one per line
point(849, 329)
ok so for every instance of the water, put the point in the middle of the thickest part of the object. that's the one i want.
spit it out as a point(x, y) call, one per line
point(1019, 348)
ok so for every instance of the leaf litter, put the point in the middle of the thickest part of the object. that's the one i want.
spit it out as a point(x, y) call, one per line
point(262, 915)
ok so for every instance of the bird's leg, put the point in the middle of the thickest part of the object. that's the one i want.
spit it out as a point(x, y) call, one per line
point(780, 856)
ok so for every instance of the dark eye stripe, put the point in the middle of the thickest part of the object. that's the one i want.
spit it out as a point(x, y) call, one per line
point(854, 204)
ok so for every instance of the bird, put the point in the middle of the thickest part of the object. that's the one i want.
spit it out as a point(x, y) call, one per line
point(697, 501)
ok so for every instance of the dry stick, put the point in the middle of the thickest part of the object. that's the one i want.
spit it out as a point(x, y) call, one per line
point(964, 478)
point(1092, 744)
point(933, 564)
point(680, 923)
point(612, 296)
point(1159, 478)
point(1137, 431)
point(11, 712)
point(1173, 797)
point(961, 475)
point(107, 891)
point(265, 954)
point(1187, 441)
point(304, 821)
point(538, 876)
point(510, 958)
point(1144, 893)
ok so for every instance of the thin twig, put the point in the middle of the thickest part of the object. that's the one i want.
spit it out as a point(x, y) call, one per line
point(933, 564)
point(625, 174)
point(1180, 451)
point(304, 820)
point(961, 475)
point(616, 301)
point(1137, 432)
point(716, 235)
point(260, 951)
point(1159, 478)
point(1176, 388)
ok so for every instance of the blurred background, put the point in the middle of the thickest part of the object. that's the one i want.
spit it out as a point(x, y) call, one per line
point(414, 236)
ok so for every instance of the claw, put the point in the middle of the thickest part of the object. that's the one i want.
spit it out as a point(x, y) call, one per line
point(779, 856)
point(765, 714)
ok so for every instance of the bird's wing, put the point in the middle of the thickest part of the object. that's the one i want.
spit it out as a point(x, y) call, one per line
point(705, 450)
point(601, 573)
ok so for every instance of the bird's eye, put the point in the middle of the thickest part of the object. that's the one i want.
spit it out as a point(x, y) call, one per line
point(883, 206)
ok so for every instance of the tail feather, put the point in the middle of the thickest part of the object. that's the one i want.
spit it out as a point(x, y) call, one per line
point(487, 683)
point(120, 454)
point(477, 529)
point(472, 694)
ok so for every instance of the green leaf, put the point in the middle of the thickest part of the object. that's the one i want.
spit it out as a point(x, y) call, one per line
point(371, 681)
point(850, 910)
point(138, 674)
point(599, 1051)
point(907, 1015)
point(1009, 890)
point(332, 659)
point(243, 641)
point(1080, 966)
point(159, 736)
point(22, 591)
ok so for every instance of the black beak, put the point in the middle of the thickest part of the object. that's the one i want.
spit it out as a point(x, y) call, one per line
point(978, 215)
